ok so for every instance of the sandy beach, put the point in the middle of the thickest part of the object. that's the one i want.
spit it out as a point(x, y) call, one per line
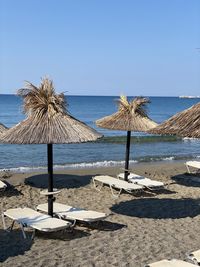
point(141, 228)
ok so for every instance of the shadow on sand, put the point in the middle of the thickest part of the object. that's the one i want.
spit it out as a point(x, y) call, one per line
point(12, 244)
point(10, 191)
point(60, 180)
point(159, 208)
point(103, 226)
point(62, 235)
point(187, 179)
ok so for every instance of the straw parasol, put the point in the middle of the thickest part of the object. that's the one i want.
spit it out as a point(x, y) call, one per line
point(47, 122)
point(131, 116)
point(2, 128)
point(185, 123)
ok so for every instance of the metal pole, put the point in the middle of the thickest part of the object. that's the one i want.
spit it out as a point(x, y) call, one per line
point(50, 178)
point(128, 140)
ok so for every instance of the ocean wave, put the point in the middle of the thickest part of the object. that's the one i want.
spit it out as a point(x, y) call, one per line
point(190, 139)
point(98, 164)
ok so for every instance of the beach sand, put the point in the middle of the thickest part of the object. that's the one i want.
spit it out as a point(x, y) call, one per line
point(141, 228)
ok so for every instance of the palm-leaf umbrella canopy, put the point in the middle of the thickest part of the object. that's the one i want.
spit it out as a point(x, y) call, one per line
point(185, 123)
point(131, 116)
point(2, 128)
point(47, 122)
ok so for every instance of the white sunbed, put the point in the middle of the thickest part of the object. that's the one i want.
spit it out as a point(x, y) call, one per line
point(27, 217)
point(193, 163)
point(74, 214)
point(195, 257)
point(2, 185)
point(171, 263)
point(115, 183)
point(143, 181)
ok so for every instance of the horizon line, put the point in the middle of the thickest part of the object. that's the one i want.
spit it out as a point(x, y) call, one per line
point(109, 95)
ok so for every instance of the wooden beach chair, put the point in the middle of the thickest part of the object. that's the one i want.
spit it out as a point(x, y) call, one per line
point(27, 217)
point(115, 183)
point(170, 263)
point(195, 257)
point(2, 185)
point(143, 181)
point(193, 164)
point(74, 214)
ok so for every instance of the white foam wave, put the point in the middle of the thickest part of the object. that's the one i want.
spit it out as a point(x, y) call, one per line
point(24, 169)
point(190, 139)
point(168, 158)
point(110, 163)
point(83, 165)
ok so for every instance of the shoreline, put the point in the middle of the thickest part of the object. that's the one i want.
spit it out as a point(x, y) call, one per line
point(92, 165)
point(150, 170)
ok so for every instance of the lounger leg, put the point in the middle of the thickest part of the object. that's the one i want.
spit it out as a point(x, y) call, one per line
point(3, 220)
point(23, 232)
point(188, 169)
point(62, 218)
point(98, 188)
point(8, 229)
point(33, 235)
point(112, 191)
point(11, 227)
point(73, 224)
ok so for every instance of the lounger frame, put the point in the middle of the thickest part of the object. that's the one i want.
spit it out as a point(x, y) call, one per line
point(194, 258)
point(65, 212)
point(134, 181)
point(189, 164)
point(113, 186)
point(170, 263)
point(3, 186)
point(23, 225)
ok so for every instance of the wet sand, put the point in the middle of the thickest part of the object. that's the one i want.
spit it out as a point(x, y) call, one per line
point(141, 228)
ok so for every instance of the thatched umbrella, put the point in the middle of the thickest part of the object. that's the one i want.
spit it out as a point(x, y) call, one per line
point(2, 128)
point(131, 116)
point(48, 123)
point(185, 123)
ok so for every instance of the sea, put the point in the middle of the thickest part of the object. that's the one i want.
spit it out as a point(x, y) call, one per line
point(110, 151)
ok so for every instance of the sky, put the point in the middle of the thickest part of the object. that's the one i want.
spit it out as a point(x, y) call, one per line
point(101, 47)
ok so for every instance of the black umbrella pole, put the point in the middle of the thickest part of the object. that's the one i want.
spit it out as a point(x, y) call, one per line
point(128, 141)
point(50, 178)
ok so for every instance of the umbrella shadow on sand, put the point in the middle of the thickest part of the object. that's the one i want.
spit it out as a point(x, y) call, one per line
point(60, 181)
point(12, 244)
point(153, 208)
point(187, 179)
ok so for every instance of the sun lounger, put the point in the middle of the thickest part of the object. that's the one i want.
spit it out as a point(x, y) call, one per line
point(27, 217)
point(2, 185)
point(195, 257)
point(143, 181)
point(74, 214)
point(171, 263)
point(194, 164)
point(115, 183)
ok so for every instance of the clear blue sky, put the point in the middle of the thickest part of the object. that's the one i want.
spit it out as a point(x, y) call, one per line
point(102, 47)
